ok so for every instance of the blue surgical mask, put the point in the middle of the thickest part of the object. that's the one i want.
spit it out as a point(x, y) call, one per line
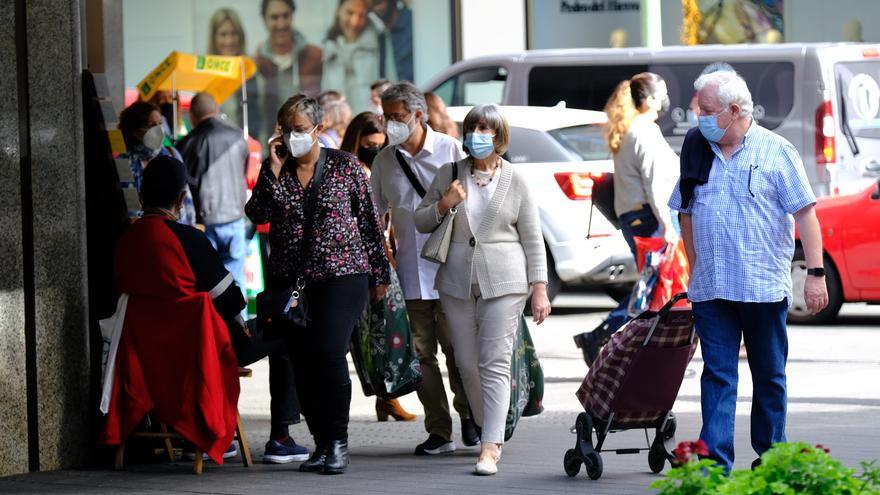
point(709, 127)
point(479, 145)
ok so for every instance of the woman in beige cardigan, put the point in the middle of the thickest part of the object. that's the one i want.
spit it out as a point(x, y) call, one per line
point(496, 254)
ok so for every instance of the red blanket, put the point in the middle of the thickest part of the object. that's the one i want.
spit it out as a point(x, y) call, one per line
point(175, 360)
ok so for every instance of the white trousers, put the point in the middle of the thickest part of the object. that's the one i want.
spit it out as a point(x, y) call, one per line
point(483, 332)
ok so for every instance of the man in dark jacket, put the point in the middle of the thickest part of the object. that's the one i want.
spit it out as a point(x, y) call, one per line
point(216, 156)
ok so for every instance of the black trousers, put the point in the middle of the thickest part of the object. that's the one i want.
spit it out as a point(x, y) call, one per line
point(318, 353)
point(284, 404)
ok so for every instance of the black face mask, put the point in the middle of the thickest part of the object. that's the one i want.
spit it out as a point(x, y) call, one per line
point(367, 154)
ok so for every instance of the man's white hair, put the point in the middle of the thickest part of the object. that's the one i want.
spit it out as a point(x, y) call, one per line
point(731, 89)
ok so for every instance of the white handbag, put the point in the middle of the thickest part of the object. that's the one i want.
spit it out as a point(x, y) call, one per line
point(437, 246)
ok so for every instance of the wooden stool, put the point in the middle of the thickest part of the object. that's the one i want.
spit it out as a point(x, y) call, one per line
point(199, 463)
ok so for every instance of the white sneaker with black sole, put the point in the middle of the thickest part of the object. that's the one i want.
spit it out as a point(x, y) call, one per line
point(435, 445)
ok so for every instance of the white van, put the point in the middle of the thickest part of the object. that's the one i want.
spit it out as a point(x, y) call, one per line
point(822, 97)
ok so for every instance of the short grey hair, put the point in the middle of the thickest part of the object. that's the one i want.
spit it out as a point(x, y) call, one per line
point(490, 116)
point(300, 104)
point(731, 87)
point(408, 94)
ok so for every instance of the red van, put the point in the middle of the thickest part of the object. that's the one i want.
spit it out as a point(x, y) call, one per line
point(851, 241)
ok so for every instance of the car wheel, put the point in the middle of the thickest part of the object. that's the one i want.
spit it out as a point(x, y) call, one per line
point(798, 312)
point(554, 283)
point(618, 291)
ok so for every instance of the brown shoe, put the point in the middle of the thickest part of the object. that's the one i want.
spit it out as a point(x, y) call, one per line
point(385, 408)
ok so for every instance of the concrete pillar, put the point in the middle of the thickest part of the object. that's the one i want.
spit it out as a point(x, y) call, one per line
point(44, 352)
point(13, 388)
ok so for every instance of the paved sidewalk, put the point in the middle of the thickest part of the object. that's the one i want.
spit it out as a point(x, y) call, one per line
point(382, 462)
point(834, 389)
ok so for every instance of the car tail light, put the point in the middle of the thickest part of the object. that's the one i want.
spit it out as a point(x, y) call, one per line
point(870, 53)
point(577, 186)
point(826, 151)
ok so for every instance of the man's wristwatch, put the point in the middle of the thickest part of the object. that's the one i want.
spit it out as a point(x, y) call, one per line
point(816, 272)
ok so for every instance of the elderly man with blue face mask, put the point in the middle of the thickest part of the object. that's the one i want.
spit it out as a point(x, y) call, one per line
point(738, 230)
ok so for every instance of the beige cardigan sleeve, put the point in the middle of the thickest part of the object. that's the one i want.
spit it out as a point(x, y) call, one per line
point(426, 216)
point(528, 225)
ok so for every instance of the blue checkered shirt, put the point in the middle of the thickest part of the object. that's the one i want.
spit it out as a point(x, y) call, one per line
point(743, 229)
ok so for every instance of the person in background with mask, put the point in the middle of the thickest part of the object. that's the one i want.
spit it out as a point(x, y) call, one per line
point(645, 168)
point(141, 126)
point(401, 175)
point(364, 138)
point(343, 262)
point(164, 101)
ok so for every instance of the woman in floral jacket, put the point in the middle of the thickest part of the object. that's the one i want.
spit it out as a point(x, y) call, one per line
point(343, 258)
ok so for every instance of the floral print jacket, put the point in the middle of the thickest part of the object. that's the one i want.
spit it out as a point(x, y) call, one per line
point(346, 235)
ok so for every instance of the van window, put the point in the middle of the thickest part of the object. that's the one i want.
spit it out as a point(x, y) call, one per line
point(477, 86)
point(589, 87)
point(859, 93)
point(576, 143)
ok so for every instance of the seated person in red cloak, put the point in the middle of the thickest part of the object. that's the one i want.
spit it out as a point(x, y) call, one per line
point(183, 338)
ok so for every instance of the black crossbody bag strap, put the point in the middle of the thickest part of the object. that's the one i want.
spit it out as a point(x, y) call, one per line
point(309, 213)
point(407, 170)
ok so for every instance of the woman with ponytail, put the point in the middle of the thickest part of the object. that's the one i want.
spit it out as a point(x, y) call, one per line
point(645, 167)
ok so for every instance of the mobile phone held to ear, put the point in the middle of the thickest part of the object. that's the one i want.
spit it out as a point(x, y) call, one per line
point(281, 151)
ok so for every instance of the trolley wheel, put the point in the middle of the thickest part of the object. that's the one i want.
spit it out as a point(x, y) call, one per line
point(669, 431)
point(593, 463)
point(656, 458)
point(571, 463)
point(584, 426)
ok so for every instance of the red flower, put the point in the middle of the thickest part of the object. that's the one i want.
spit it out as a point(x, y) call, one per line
point(822, 447)
point(688, 451)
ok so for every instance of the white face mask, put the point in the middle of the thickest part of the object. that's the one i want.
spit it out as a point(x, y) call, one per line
point(154, 137)
point(299, 143)
point(399, 132)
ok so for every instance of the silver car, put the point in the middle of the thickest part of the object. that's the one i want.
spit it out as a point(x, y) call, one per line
point(560, 151)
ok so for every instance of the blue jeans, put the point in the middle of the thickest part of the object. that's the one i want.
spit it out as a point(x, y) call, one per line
point(229, 241)
point(720, 324)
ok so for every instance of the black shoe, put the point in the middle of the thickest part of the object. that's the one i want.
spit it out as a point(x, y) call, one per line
point(435, 444)
point(469, 434)
point(316, 462)
point(337, 457)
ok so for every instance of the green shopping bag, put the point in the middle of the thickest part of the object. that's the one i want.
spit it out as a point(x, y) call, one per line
point(526, 380)
point(382, 348)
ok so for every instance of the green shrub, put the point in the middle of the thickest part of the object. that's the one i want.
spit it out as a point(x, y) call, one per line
point(786, 469)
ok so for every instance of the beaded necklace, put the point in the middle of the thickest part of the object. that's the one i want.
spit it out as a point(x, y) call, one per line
point(482, 180)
